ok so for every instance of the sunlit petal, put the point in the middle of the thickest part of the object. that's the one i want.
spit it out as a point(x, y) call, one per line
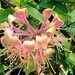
point(29, 46)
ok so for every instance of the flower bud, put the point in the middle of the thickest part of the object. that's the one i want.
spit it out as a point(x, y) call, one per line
point(48, 51)
point(22, 12)
point(47, 12)
point(52, 29)
point(29, 46)
point(41, 41)
point(11, 18)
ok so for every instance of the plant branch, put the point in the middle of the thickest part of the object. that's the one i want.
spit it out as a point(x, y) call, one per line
point(7, 2)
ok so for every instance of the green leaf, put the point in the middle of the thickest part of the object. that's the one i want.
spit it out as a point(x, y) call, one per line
point(71, 58)
point(1, 68)
point(34, 24)
point(30, 69)
point(15, 2)
point(66, 53)
point(35, 13)
point(67, 45)
point(22, 3)
point(18, 1)
point(72, 14)
point(61, 8)
point(4, 14)
point(67, 1)
point(47, 4)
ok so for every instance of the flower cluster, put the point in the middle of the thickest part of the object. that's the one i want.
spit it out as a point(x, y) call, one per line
point(32, 46)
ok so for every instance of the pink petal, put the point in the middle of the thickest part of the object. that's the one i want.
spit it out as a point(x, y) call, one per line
point(47, 13)
point(23, 19)
point(42, 30)
point(21, 11)
point(20, 31)
point(30, 28)
point(58, 23)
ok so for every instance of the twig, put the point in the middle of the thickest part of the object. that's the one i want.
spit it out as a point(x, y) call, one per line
point(7, 2)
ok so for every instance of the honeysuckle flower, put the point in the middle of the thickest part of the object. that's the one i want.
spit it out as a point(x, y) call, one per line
point(52, 29)
point(47, 13)
point(11, 18)
point(58, 23)
point(41, 41)
point(10, 38)
point(56, 40)
point(48, 51)
point(31, 46)
point(21, 15)
point(13, 50)
point(55, 24)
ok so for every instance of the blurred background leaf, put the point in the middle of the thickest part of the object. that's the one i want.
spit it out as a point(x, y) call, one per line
point(1, 68)
point(4, 14)
point(35, 13)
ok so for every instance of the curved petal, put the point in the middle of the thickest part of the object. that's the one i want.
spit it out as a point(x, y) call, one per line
point(52, 29)
point(22, 11)
point(47, 13)
point(41, 41)
point(21, 14)
point(22, 60)
point(29, 46)
point(48, 52)
point(58, 23)
point(20, 31)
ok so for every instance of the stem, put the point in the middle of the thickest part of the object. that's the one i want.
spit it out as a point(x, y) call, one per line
point(6, 1)
point(64, 72)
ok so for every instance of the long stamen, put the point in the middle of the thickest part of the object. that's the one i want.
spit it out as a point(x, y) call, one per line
point(41, 56)
point(59, 50)
point(20, 70)
point(53, 60)
point(28, 63)
point(3, 50)
point(13, 60)
point(4, 53)
point(22, 60)
point(52, 67)
point(10, 56)
point(36, 62)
